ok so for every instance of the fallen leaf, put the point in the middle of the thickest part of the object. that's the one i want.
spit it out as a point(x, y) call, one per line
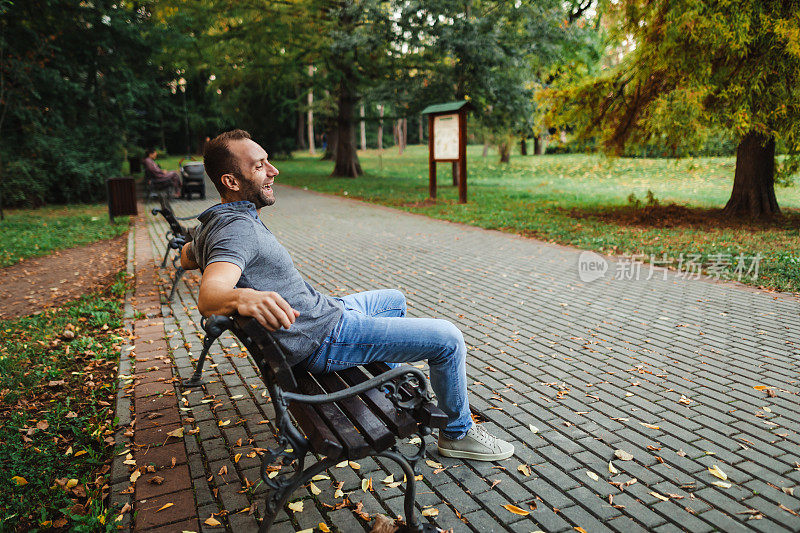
point(297, 506)
point(71, 483)
point(322, 526)
point(388, 479)
point(177, 433)
point(715, 471)
point(722, 484)
point(622, 455)
point(79, 453)
point(237, 457)
point(681, 453)
point(213, 522)
point(316, 491)
point(223, 470)
point(223, 424)
point(659, 496)
point(135, 476)
point(533, 428)
point(593, 476)
point(19, 480)
point(760, 387)
point(792, 511)
point(338, 493)
point(788, 490)
point(650, 426)
point(431, 511)
point(516, 510)
point(342, 464)
point(579, 529)
point(42, 425)
point(319, 477)
point(525, 469)
point(165, 506)
point(354, 465)
point(612, 469)
point(156, 480)
point(366, 485)
point(433, 464)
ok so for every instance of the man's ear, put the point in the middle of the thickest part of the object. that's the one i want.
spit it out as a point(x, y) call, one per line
point(229, 181)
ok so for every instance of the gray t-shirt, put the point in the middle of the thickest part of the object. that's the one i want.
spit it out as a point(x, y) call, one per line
point(233, 233)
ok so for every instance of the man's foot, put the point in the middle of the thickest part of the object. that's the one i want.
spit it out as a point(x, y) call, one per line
point(478, 445)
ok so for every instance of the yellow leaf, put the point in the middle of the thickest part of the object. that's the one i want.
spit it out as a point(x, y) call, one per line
point(722, 484)
point(135, 476)
point(79, 453)
point(651, 426)
point(338, 493)
point(272, 474)
point(715, 471)
point(237, 457)
point(342, 464)
point(69, 451)
point(612, 469)
point(297, 507)
point(319, 477)
point(622, 455)
point(314, 489)
point(516, 510)
point(579, 529)
point(213, 522)
point(525, 470)
point(388, 479)
point(177, 433)
point(593, 475)
point(324, 528)
point(659, 496)
point(767, 409)
point(354, 465)
point(432, 511)
point(366, 484)
point(433, 464)
point(533, 428)
point(760, 387)
point(165, 506)
point(19, 480)
point(71, 483)
point(223, 424)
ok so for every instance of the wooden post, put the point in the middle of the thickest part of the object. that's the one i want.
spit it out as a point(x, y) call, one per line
point(310, 121)
point(431, 162)
point(462, 156)
point(455, 173)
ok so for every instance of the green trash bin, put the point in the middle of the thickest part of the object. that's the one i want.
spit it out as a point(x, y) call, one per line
point(121, 196)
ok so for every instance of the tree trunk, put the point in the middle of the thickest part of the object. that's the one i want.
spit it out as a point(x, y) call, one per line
point(485, 148)
point(753, 192)
point(380, 128)
point(310, 120)
point(538, 145)
point(505, 152)
point(421, 130)
point(346, 162)
point(363, 128)
point(404, 136)
point(330, 140)
point(523, 146)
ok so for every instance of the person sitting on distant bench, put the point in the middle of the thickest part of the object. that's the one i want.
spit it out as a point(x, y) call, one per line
point(159, 176)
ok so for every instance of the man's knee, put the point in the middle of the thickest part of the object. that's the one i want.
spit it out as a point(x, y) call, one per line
point(451, 339)
point(397, 298)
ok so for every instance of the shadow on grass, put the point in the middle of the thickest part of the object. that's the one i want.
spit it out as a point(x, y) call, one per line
point(680, 216)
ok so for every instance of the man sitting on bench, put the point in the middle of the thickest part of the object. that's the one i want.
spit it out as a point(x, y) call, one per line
point(247, 272)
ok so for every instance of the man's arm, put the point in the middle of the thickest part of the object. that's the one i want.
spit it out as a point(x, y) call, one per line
point(188, 262)
point(219, 296)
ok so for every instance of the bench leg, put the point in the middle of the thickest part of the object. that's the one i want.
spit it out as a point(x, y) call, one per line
point(166, 255)
point(178, 275)
point(412, 523)
point(211, 336)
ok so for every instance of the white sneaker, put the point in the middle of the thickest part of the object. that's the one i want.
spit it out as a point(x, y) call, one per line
point(478, 445)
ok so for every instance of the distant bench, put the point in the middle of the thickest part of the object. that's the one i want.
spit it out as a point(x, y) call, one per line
point(347, 415)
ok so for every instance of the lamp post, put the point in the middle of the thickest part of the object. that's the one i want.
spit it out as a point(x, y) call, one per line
point(182, 86)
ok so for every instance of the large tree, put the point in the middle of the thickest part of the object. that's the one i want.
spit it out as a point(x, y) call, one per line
point(682, 67)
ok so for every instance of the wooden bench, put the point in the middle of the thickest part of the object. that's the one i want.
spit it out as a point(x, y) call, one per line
point(345, 415)
point(177, 235)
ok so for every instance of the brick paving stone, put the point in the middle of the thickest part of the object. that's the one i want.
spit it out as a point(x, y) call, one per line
point(172, 480)
point(148, 516)
point(609, 333)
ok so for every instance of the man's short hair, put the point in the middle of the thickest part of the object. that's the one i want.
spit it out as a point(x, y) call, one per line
point(219, 160)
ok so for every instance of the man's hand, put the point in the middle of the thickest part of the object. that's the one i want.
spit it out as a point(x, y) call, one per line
point(269, 308)
point(219, 296)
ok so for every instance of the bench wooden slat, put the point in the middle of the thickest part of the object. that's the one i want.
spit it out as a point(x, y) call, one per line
point(428, 414)
point(398, 421)
point(355, 447)
point(322, 439)
point(371, 426)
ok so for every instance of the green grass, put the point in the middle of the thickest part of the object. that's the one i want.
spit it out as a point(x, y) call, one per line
point(56, 414)
point(583, 201)
point(34, 232)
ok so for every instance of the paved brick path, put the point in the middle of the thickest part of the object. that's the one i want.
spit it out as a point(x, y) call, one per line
point(664, 370)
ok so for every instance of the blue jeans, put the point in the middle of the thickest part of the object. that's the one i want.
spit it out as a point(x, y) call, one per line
point(373, 328)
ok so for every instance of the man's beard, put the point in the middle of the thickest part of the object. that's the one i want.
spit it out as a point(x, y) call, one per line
point(258, 195)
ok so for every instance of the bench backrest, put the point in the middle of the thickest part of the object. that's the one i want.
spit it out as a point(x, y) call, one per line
point(177, 229)
point(266, 351)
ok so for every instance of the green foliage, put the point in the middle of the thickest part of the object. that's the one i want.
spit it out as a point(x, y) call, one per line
point(75, 414)
point(32, 233)
point(74, 77)
point(582, 200)
point(681, 69)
